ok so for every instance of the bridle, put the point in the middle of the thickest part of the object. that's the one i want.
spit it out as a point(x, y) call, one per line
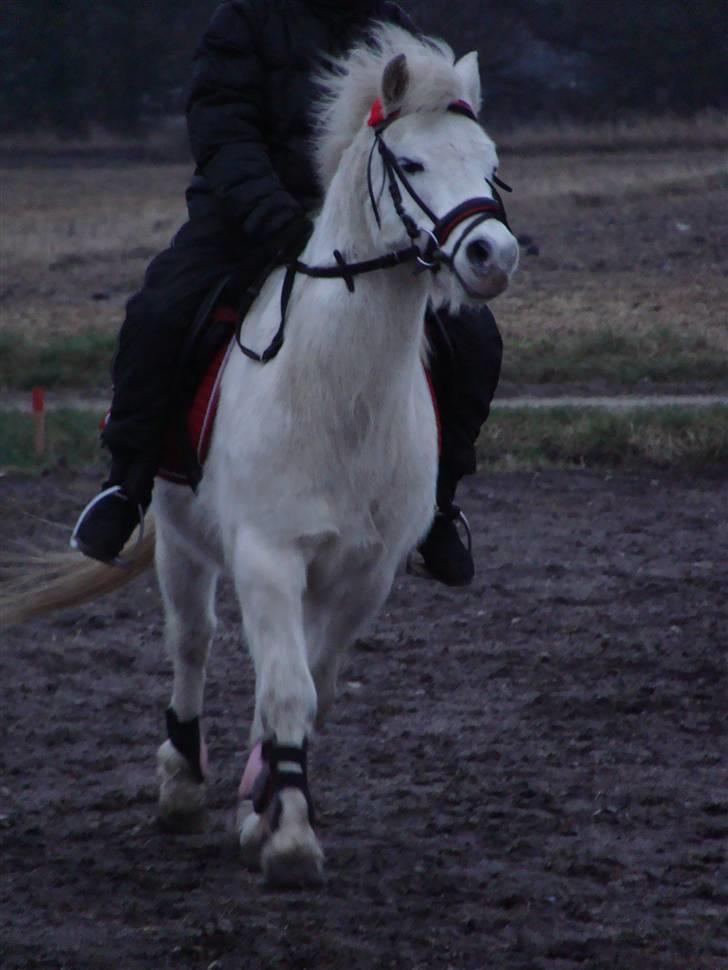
point(488, 208)
point(431, 258)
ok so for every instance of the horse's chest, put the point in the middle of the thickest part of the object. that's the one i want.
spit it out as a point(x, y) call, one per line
point(391, 478)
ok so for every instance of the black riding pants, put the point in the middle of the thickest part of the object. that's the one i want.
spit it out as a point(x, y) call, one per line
point(146, 368)
point(147, 376)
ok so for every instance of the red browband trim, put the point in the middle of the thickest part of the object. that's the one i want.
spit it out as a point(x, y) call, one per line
point(443, 232)
point(461, 107)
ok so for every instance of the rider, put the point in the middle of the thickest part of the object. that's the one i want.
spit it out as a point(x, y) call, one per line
point(249, 203)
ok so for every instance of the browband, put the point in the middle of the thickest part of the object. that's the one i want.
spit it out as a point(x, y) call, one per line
point(378, 119)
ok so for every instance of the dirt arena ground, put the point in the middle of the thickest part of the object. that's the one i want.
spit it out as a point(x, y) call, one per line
point(530, 774)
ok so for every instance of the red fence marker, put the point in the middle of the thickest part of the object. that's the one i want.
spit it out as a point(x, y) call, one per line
point(38, 420)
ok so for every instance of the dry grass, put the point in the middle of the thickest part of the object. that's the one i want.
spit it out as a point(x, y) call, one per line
point(60, 216)
point(594, 178)
point(167, 140)
point(629, 281)
point(76, 242)
point(631, 246)
point(675, 438)
point(708, 129)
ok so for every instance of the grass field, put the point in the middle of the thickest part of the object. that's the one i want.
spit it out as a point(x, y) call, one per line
point(513, 439)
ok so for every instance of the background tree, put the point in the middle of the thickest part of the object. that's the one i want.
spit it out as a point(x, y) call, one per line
point(647, 56)
point(70, 64)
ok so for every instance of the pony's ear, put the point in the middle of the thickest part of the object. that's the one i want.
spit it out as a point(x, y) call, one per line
point(395, 81)
point(467, 68)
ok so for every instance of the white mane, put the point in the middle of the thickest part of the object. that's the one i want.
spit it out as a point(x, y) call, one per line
point(355, 80)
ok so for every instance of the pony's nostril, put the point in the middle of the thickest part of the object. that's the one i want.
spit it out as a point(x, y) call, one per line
point(479, 253)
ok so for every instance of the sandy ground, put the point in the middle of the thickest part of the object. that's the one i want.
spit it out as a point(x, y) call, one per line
point(530, 774)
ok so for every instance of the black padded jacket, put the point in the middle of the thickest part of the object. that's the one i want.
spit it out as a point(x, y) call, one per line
point(248, 113)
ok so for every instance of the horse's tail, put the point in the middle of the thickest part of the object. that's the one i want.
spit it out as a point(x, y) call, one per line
point(52, 581)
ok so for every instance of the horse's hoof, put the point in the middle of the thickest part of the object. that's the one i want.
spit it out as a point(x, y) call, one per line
point(253, 832)
point(292, 857)
point(183, 823)
point(294, 867)
point(182, 798)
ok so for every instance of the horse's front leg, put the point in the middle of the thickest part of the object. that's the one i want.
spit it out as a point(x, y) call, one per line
point(188, 593)
point(278, 832)
point(334, 618)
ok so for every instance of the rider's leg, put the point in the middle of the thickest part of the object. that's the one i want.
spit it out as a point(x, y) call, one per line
point(465, 364)
point(146, 376)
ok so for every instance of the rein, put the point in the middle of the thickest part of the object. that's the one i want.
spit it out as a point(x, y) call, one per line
point(431, 258)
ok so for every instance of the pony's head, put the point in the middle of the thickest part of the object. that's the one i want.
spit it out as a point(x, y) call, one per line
point(400, 116)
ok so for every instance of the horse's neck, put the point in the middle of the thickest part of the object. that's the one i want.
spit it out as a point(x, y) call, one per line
point(369, 338)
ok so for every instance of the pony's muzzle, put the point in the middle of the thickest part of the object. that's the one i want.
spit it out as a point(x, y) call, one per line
point(486, 262)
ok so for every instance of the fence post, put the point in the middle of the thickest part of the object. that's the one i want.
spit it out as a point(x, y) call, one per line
point(38, 420)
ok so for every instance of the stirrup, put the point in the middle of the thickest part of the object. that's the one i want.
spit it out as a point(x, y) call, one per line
point(454, 513)
point(462, 517)
point(117, 560)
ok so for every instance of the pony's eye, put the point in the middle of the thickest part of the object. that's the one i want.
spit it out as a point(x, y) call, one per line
point(409, 167)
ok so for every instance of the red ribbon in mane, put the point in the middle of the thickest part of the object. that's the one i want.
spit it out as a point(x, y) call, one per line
point(378, 117)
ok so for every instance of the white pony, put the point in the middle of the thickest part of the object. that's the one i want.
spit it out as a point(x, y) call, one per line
point(321, 472)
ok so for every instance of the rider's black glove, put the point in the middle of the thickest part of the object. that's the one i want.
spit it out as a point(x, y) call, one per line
point(287, 243)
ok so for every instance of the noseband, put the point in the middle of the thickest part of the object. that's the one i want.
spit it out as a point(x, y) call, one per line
point(431, 258)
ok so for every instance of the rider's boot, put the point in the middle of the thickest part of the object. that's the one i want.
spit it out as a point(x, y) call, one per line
point(447, 558)
point(108, 521)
